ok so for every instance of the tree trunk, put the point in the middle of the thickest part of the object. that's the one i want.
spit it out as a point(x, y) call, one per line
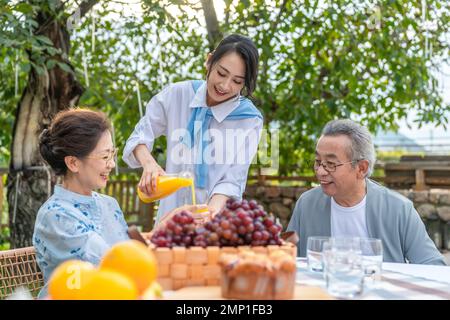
point(44, 95)
point(212, 24)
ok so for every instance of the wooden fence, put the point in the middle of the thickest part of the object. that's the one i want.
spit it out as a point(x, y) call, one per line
point(411, 172)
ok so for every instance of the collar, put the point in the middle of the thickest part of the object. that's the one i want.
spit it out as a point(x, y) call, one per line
point(63, 193)
point(220, 111)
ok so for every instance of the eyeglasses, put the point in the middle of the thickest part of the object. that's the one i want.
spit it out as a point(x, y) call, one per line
point(329, 166)
point(106, 157)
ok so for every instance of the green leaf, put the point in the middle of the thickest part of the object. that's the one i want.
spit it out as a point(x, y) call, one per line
point(25, 67)
point(64, 66)
point(51, 64)
point(45, 40)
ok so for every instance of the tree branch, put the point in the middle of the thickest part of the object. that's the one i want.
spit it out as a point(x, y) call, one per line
point(86, 6)
point(212, 24)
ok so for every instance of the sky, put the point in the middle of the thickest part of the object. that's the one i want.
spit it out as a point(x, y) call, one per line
point(429, 134)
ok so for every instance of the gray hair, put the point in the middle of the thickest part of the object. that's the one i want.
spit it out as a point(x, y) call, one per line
point(361, 140)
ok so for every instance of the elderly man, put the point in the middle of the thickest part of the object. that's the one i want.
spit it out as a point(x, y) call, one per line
point(348, 203)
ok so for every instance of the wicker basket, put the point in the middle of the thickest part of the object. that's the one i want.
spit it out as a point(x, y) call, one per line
point(196, 266)
point(19, 268)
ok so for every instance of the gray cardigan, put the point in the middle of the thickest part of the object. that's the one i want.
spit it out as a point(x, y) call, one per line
point(389, 216)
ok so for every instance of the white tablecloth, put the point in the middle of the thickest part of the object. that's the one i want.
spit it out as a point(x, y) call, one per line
point(437, 273)
point(399, 281)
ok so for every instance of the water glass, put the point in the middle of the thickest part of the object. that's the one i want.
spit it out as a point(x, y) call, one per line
point(372, 260)
point(344, 273)
point(314, 249)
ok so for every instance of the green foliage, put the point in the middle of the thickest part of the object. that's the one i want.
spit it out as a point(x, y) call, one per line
point(320, 60)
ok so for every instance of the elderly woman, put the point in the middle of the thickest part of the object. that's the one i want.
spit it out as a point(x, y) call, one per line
point(76, 222)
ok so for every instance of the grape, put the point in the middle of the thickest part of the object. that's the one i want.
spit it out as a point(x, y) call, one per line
point(176, 218)
point(183, 219)
point(248, 238)
point(236, 221)
point(265, 235)
point(247, 220)
point(241, 214)
point(178, 230)
point(257, 235)
point(234, 205)
point(240, 223)
point(187, 240)
point(268, 222)
point(213, 237)
point(199, 237)
point(227, 234)
point(242, 230)
point(209, 226)
point(250, 228)
point(224, 224)
point(259, 226)
point(214, 226)
point(189, 228)
point(275, 229)
point(252, 204)
point(170, 225)
point(234, 238)
point(200, 230)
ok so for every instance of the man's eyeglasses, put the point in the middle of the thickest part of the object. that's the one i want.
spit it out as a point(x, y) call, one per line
point(329, 166)
point(107, 157)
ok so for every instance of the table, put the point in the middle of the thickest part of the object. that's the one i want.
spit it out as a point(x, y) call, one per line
point(399, 282)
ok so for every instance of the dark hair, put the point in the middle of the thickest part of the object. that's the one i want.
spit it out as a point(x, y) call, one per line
point(74, 132)
point(247, 50)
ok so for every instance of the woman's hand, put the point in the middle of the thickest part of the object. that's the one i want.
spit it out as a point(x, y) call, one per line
point(217, 203)
point(191, 208)
point(151, 171)
point(147, 236)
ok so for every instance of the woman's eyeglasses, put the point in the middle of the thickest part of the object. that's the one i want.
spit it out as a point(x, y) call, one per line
point(107, 157)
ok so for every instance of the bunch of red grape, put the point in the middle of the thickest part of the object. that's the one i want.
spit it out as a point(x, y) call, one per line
point(240, 223)
point(178, 231)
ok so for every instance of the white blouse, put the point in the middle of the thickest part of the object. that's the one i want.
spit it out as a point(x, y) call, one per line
point(231, 150)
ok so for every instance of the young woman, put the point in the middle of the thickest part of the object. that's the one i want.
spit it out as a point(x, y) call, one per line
point(211, 129)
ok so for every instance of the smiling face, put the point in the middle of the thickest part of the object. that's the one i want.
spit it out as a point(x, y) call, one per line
point(226, 79)
point(346, 180)
point(91, 172)
point(95, 168)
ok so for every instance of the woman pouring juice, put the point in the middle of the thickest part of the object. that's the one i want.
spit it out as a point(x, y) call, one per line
point(212, 130)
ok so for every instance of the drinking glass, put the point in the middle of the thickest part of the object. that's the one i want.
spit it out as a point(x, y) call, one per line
point(314, 248)
point(344, 273)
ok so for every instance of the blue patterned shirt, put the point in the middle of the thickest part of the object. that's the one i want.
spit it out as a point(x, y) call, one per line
point(74, 226)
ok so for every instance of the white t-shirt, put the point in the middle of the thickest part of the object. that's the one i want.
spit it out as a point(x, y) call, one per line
point(349, 221)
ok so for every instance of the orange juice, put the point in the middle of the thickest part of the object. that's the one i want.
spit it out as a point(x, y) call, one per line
point(166, 185)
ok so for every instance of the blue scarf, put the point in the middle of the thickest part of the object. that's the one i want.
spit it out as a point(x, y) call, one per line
point(245, 110)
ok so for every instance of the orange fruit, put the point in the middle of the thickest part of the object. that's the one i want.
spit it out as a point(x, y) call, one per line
point(133, 259)
point(109, 285)
point(69, 279)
